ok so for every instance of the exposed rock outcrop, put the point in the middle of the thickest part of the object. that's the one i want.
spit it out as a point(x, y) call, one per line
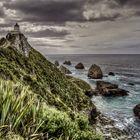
point(93, 115)
point(108, 89)
point(18, 42)
point(56, 63)
point(2, 41)
point(95, 72)
point(106, 126)
point(79, 66)
point(67, 63)
point(136, 111)
point(89, 93)
point(65, 70)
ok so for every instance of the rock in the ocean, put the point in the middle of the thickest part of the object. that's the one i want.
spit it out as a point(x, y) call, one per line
point(89, 93)
point(95, 72)
point(109, 89)
point(136, 111)
point(65, 70)
point(79, 66)
point(111, 73)
point(131, 84)
point(56, 63)
point(67, 62)
point(102, 85)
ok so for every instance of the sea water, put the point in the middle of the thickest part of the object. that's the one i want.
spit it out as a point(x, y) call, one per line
point(127, 76)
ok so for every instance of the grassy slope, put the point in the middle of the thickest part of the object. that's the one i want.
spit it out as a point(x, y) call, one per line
point(25, 116)
point(45, 80)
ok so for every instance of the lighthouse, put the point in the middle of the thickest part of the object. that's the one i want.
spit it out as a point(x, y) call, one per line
point(16, 29)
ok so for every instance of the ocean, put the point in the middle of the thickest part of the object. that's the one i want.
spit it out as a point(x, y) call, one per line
point(127, 76)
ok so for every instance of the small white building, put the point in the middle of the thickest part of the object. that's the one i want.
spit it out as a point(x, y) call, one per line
point(16, 29)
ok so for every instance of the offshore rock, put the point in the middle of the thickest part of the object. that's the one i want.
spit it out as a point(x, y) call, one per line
point(67, 63)
point(79, 66)
point(111, 73)
point(56, 63)
point(95, 72)
point(109, 89)
point(65, 70)
point(90, 93)
point(136, 111)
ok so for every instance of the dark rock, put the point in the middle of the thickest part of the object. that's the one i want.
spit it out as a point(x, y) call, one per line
point(56, 63)
point(136, 111)
point(67, 63)
point(95, 72)
point(2, 41)
point(109, 89)
point(114, 92)
point(89, 93)
point(131, 84)
point(108, 129)
point(102, 85)
point(79, 66)
point(111, 74)
point(65, 70)
point(93, 115)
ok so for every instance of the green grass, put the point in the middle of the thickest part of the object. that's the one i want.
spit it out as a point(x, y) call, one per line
point(25, 115)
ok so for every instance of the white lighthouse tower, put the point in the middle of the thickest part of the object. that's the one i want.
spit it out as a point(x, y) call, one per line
point(16, 29)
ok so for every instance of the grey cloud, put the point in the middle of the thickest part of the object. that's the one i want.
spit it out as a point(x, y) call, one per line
point(110, 9)
point(135, 3)
point(2, 14)
point(49, 33)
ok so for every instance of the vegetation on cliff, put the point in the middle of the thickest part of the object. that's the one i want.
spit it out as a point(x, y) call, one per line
point(25, 115)
point(38, 101)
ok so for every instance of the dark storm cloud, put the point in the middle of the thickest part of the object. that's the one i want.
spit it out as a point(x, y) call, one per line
point(135, 3)
point(44, 11)
point(47, 10)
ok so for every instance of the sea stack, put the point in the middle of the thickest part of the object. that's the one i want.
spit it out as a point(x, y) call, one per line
point(95, 72)
point(79, 66)
point(56, 63)
point(67, 62)
point(136, 111)
point(65, 70)
point(104, 88)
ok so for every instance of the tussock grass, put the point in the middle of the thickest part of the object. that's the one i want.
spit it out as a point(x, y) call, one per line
point(25, 115)
point(38, 73)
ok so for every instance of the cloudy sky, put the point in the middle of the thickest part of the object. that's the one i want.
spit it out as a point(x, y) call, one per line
point(75, 26)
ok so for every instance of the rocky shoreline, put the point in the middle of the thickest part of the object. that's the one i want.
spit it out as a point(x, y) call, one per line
point(105, 125)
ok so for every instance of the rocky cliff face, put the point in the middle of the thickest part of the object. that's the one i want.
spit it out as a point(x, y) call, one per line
point(16, 41)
